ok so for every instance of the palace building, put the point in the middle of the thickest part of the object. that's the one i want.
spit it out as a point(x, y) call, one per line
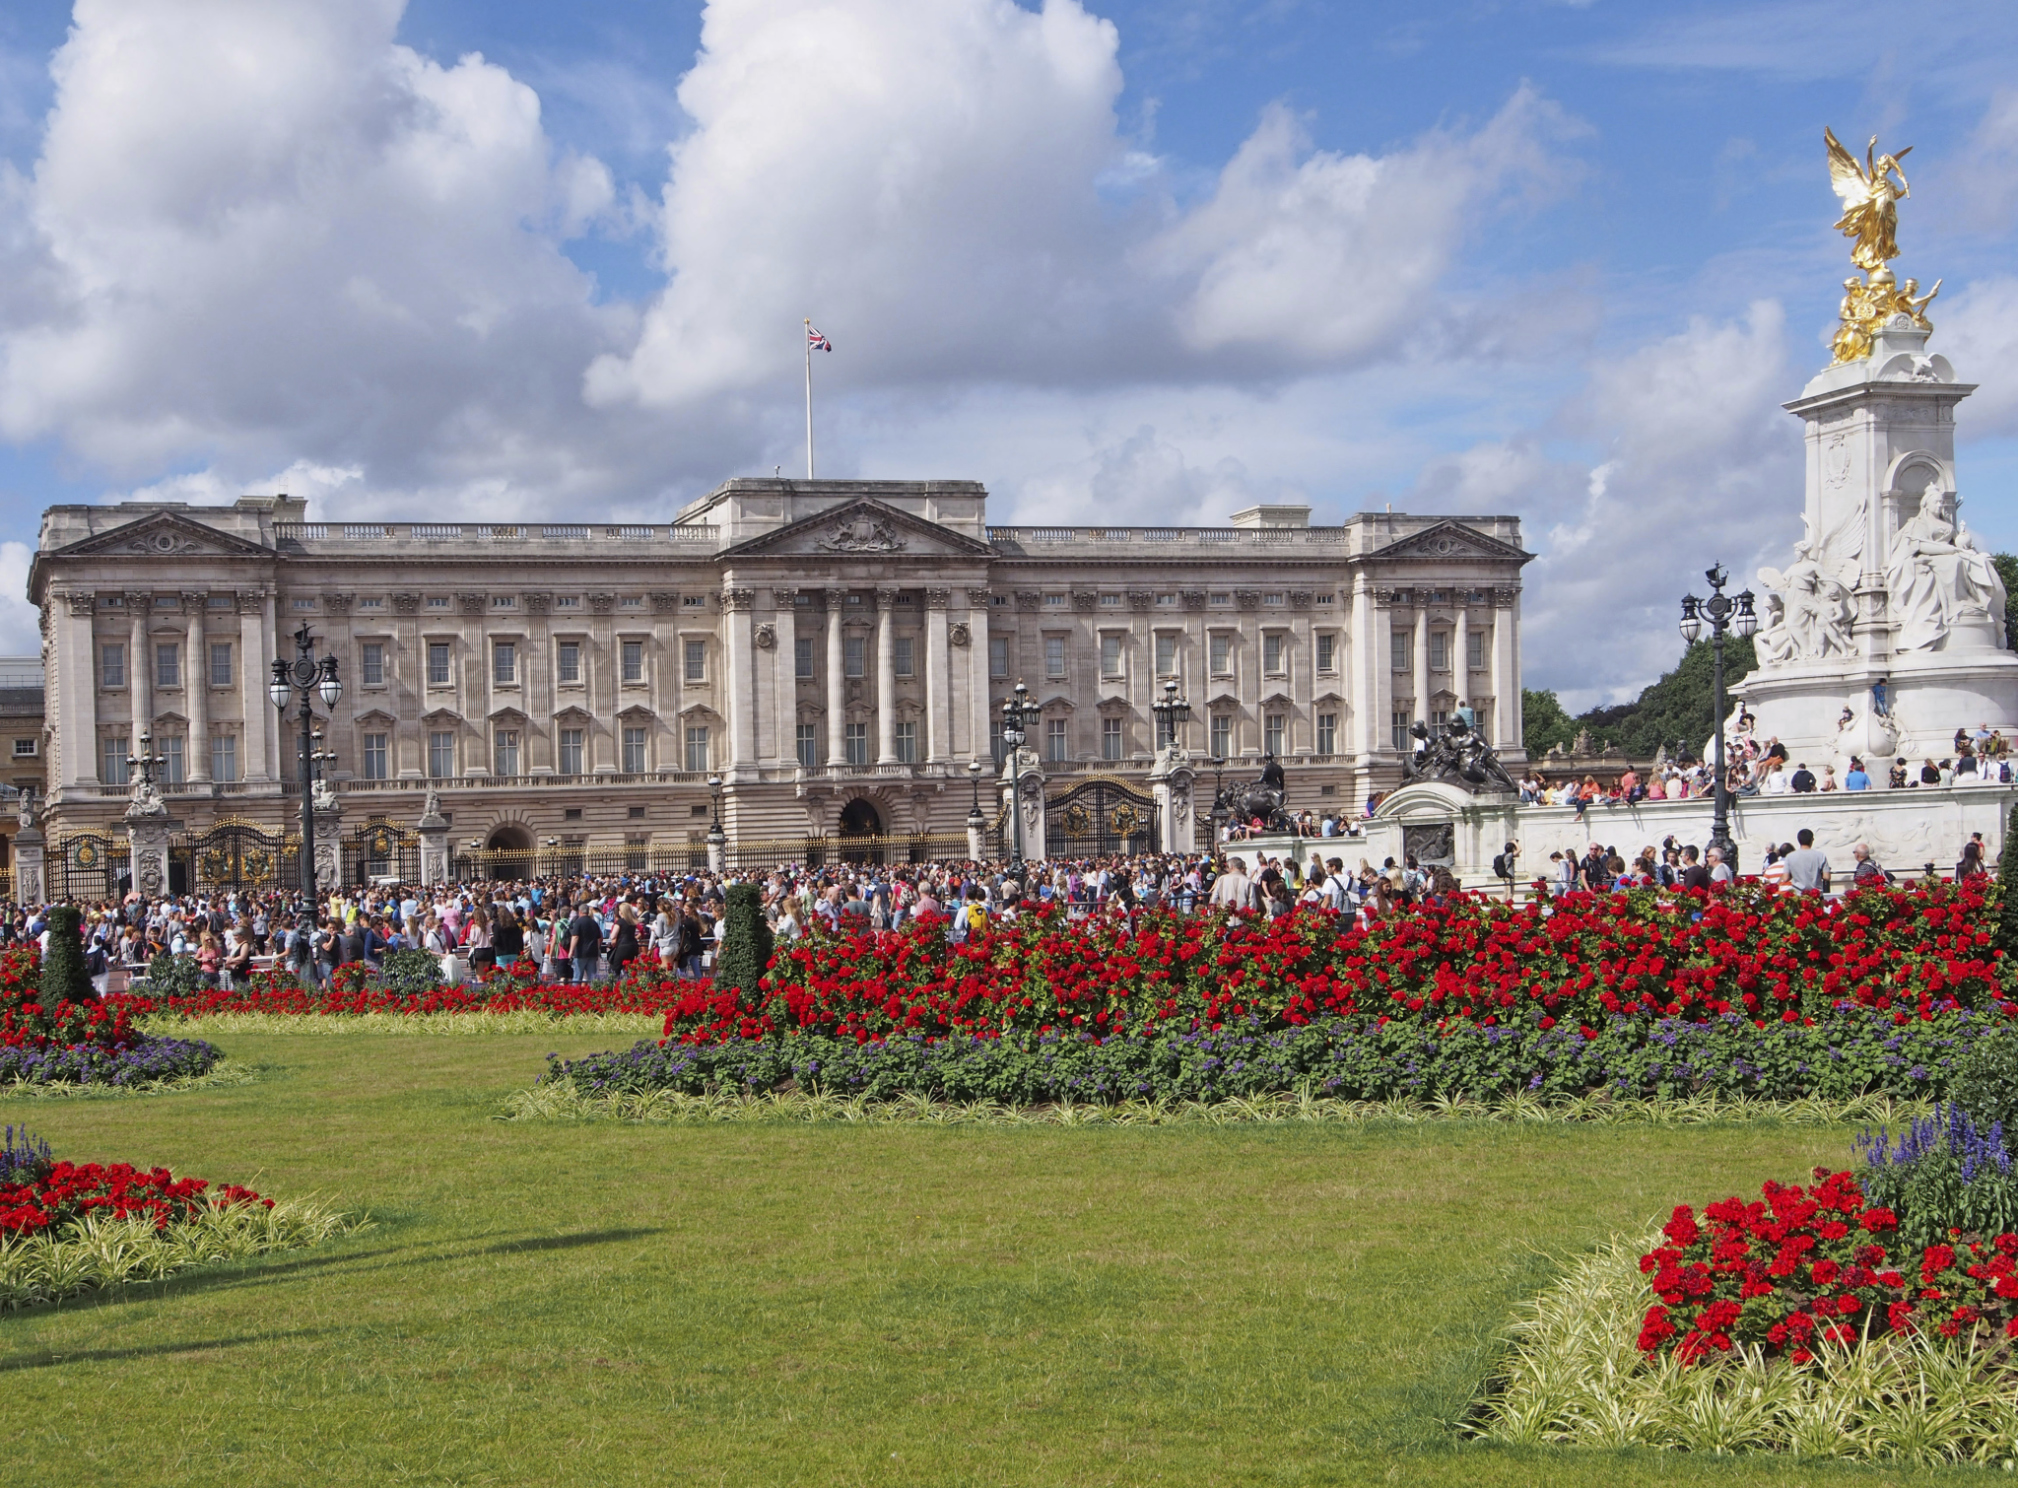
point(820, 661)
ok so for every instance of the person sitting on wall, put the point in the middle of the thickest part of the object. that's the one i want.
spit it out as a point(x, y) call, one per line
point(1857, 779)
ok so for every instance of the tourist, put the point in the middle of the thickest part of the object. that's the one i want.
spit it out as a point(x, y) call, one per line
point(1802, 781)
point(1856, 779)
point(1807, 867)
point(1506, 865)
point(1233, 890)
point(1867, 874)
point(1775, 872)
point(1971, 865)
point(585, 945)
point(1828, 780)
point(1719, 870)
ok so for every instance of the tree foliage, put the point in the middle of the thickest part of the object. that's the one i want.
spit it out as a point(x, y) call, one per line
point(64, 978)
point(746, 942)
point(1545, 723)
point(1678, 711)
point(2007, 570)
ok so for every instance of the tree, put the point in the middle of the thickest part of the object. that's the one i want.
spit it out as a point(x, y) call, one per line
point(64, 978)
point(1545, 723)
point(746, 940)
point(2007, 880)
point(2007, 570)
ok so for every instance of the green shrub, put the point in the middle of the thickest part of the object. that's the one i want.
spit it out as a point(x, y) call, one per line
point(172, 976)
point(2007, 912)
point(1986, 1081)
point(64, 978)
point(746, 942)
point(412, 972)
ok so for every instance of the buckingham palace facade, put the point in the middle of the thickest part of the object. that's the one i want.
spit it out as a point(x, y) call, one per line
point(817, 660)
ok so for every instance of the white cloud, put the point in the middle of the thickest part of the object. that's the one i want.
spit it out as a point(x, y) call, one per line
point(1978, 332)
point(20, 621)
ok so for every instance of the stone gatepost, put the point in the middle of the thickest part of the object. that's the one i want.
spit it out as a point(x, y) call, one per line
point(328, 849)
point(1174, 786)
point(28, 870)
point(1022, 786)
point(433, 829)
point(147, 836)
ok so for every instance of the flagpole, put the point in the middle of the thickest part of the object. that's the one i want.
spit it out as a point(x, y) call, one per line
point(809, 399)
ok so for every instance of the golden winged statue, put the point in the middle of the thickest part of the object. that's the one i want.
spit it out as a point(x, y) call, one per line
point(1870, 200)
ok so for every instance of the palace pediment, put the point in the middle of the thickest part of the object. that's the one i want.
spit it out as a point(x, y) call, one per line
point(163, 535)
point(863, 528)
point(1448, 541)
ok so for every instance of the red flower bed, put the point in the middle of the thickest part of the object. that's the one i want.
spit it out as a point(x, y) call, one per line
point(353, 989)
point(27, 1022)
point(1816, 1263)
point(1748, 951)
point(66, 1191)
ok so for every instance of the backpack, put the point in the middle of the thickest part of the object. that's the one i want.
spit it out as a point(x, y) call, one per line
point(1499, 867)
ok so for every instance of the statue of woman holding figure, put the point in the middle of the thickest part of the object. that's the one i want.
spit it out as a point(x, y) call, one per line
point(1941, 583)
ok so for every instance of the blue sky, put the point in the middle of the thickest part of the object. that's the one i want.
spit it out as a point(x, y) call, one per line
point(1120, 261)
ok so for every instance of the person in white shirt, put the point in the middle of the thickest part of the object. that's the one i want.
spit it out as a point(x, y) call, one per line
point(1336, 895)
point(1720, 871)
point(1233, 889)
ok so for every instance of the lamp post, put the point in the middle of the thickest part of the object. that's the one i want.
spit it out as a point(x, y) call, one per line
point(718, 840)
point(976, 822)
point(146, 759)
point(1722, 613)
point(1218, 763)
point(1172, 713)
point(1015, 713)
point(309, 678)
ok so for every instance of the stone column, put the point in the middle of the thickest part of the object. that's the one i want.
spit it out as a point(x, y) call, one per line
point(1421, 659)
point(1022, 787)
point(139, 667)
point(785, 689)
point(740, 693)
point(837, 685)
point(28, 875)
point(1460, 661)
point(74, 690)
point(886, 677)
point(196, 680)
point(977, 675)
point(1506, 678)
point(270, 649)
point(255, 665)
point(938, 709)
point(1368, 649)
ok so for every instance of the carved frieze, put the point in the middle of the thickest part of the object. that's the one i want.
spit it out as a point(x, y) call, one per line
point(938, 599)
point(738, 601)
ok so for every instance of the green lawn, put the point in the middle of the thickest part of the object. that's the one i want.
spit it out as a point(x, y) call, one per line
point(826, 1304)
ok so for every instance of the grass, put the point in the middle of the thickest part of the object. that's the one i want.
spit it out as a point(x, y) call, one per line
point(751, 1302)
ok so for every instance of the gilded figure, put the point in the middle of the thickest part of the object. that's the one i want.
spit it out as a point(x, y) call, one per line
point(1870, 200)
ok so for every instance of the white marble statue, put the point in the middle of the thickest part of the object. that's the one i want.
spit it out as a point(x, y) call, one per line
point(144, 798)
point(1939, 580)
point(1811, 621)
point(324, 795)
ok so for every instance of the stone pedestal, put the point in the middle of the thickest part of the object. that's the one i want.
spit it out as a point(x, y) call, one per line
point(147, 837)
point(433, 831)
point(977, 836)
point(1022, 788)
point(328, 850)
point(28, 870)
point(718, 851)
point(1172, 783)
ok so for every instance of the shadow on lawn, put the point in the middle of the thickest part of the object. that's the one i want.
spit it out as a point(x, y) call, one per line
point(48, 1358)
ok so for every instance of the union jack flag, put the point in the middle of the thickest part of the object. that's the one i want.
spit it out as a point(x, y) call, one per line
point(815, 341)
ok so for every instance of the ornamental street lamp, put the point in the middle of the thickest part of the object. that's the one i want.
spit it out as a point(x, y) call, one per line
point(307, 678)
point(1015, 715)
point(146, 759)
point(976, 822)
point(718, 840)
point(1218, 763)
point(1172, 713)
point(1722, 613)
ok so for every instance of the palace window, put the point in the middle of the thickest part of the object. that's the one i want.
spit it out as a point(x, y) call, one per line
point(900, 655)
point(1166, 656)
point(441, 754)
point(1398, 648)
point(1474, 650)
point(220, 663)
point(998, 656)
point(1220, 654)
point(27, 748)
point(568, 662)
point(175, 768)
point(802, 658)
point(854, 655)
point(1397, 723)
point(1439, 650)
point(1327, 735)
point(632, 661)
point(858, 743)
point(1110, 656)
point(697, 747)
point(1327, 653)
point(112, 665)
point(571, 751)
point(1110, 601)
point(697, 661)
point(1271, 654)
point(634, 750)
point(113, 749)
point(167, 664)
point(506, 751)
point(1222, 735)
point(374, 756)
point(437, 664)
point(371, 663)
point(1110, 738)
point(504, 663)
point(1054, 739)
point(907, 742)
point(809, 745)
point(224, 757)
point(1054, 656)
point(1271, 734)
